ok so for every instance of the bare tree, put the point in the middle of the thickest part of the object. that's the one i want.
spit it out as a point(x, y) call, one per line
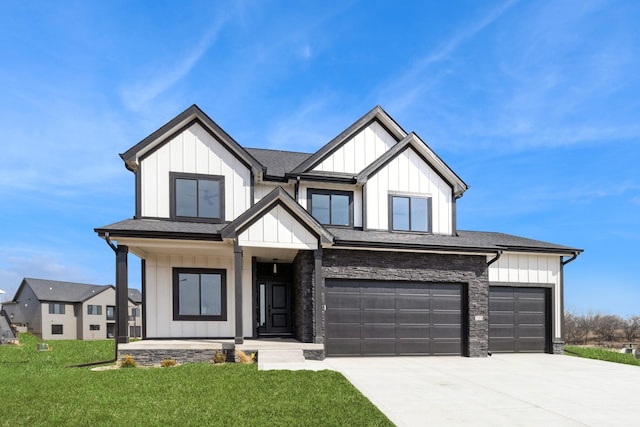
point(631, 328)
point(585, 324)
point(606, 326)
point(572, 333)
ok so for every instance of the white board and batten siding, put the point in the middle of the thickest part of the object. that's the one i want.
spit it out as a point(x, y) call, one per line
point(358, 152)
point(193, 151)
point(408, 174)
point(531, 269)
point(159, 298)
point(260, 190)
point(278, 229)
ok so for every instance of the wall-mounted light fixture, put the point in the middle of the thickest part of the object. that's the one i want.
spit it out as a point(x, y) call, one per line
point(275, 266)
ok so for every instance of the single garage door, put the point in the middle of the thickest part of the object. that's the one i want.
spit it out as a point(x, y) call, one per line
point(368, 318)
point(518, 320)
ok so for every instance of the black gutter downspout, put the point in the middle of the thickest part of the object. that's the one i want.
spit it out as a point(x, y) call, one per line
point(115, 356)
point(296, 190)
point(562, 264)
point(496, 258)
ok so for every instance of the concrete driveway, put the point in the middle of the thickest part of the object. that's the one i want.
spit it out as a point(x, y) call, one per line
point(503, 390)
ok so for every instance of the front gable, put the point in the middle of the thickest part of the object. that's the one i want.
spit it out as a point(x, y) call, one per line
point(277, 221)
point(356, 147)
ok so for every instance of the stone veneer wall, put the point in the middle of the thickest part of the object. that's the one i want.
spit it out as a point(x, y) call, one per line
point(380, 265)
point(303, 296)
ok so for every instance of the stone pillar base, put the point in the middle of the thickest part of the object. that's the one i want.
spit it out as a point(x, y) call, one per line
point(558, 347)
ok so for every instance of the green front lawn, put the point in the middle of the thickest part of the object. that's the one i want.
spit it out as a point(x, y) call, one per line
point(38, 389)
point(601, 354)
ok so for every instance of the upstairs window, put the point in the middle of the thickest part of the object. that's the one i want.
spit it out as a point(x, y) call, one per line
point(410, 213)
point(94, 309)
point(199, 294)
point(331, 207)
point(197, 197)
point(56, 308)
point(111, 312)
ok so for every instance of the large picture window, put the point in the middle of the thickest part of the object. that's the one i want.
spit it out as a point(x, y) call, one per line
point(331, 207)
point(199, 294)
point(197, 197)
point(410, 213)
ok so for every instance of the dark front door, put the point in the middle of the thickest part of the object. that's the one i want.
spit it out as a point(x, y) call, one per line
point(274, 307)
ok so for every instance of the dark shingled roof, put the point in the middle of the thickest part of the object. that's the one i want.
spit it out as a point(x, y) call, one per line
point(135, 296)
point(472, 241)
point(278, 162)
point(54, 290)
point(161, 229)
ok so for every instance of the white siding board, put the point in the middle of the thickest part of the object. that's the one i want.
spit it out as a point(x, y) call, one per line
point(358, 152)
point(278, 229)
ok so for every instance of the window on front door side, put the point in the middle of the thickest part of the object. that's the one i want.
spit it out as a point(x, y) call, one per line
point(197, 197)
point(331, 207)
point(409, 213)
point(199, 294)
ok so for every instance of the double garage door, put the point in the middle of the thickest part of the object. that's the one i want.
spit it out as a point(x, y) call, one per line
point(375, 318)
point(370, 318)
point(518, 320)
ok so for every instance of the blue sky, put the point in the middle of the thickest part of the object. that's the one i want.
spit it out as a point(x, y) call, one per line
point(536, 105)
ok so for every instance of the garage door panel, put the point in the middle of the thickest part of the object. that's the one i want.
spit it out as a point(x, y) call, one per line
point(379, 331)
point(379, 316)
point(445, 303)
point(412, 317)
point(413, 347)
point(446, 318)
point(342, 347)
point(518, 319)
point(502, 318)
point(379, 347)
point(378, 302)
point(501, 305)
point(407, 331)
point(445, 332)
point(531, 318)
point(412, 302)
point(346, 316)
point(343, 330)
point(396, 318)
point(343, 301)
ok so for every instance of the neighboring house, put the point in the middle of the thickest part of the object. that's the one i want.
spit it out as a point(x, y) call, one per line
point(52, 309)
point(135, 313)
point(355, 246)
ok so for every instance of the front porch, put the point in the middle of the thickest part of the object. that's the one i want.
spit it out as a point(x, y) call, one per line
point(150, 352)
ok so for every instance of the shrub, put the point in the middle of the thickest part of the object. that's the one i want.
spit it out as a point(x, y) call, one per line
point(219, 357)
point(167, 363)
point(242, 357)
point(128, 361)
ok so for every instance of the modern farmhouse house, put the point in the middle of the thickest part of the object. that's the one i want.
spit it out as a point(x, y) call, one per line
point(355, 247)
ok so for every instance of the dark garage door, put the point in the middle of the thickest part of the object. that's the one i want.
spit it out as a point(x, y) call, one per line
point(393, 318)
point(518, 320)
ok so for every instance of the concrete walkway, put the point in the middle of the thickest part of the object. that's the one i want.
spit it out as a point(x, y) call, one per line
point(503, 390)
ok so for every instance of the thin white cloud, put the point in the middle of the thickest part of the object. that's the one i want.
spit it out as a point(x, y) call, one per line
point(138, 96)
point(405, 90)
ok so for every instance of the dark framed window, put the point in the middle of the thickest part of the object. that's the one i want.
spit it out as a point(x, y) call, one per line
point(94, 309)
point(135, 311)
point(56, 330)
point(199, 294)
point(111, 312)
point(410, 213)
point(94, 327)
point(196, 197)
point(331, 207)
point(56, 308)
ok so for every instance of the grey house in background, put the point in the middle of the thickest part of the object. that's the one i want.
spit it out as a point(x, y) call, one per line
point(355, 246)
point(53, 309)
